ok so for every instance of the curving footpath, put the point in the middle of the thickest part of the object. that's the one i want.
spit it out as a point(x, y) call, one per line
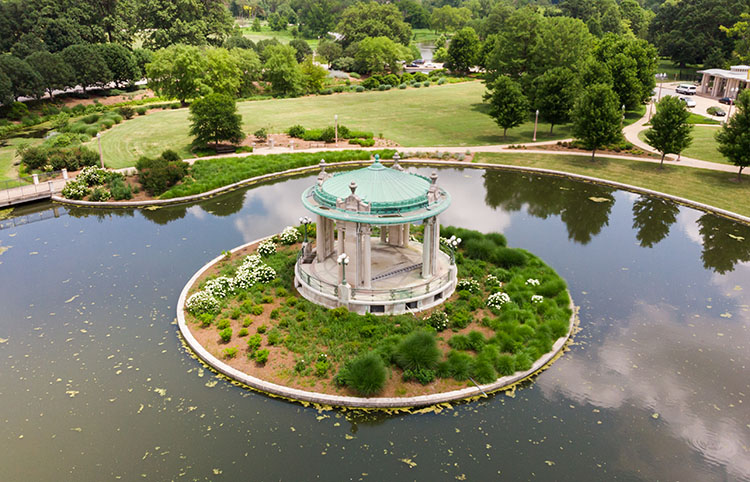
point(295, 394)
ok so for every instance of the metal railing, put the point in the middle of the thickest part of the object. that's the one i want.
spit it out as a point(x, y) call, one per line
point(28, 187)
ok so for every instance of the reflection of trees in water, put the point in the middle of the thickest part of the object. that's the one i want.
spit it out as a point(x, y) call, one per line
point(652, 217)
point(99, 214)
point(164, 215)
point(226, 204)
point(725, 243)
point(584, 208)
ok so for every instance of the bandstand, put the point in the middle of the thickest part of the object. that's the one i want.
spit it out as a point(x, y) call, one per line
point(386, 273)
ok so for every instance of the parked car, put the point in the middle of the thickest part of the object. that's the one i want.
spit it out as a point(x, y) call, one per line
point(713, 110)
point(690, 103)
point(726, 100)
point(686, 89)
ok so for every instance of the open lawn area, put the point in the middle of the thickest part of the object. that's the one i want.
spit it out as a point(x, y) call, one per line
point(704, 146)
point(446, 115)
point(674, 72)
point(283, 36)
point(8, 154)
point(715, 188)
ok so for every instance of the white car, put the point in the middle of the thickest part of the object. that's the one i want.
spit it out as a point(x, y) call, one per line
point(690, 103)
point(686, 89)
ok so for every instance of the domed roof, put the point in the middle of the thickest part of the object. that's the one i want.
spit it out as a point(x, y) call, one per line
point(383, 195)
point(386, 190)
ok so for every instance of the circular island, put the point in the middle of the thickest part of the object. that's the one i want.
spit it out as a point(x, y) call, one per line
point(338, 324)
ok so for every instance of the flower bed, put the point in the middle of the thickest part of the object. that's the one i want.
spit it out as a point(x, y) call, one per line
point(263, 328)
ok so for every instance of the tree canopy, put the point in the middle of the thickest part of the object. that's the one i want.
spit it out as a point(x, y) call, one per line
point(734, 137)
point(670, 131)
point(372, 19)
point(214, 118)
point(597, 117)
point(508, 106)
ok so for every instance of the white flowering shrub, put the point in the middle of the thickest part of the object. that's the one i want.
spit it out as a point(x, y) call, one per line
point(267, 248)
point(251, 271)
point(202, 302)
point(75, 190)
point(537, 298)
point(289, 235)
point(492, 280)
point(532, 282)
point(92, 176)
point(438, 320)
point(497, 300)
point(468, 284)
point(220, 287)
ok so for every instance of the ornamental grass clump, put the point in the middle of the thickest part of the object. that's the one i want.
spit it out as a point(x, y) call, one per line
point(417, 350)
point(365, 374)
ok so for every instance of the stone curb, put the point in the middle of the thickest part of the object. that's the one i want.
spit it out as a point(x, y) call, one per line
point(343, 401)
point(416, 162)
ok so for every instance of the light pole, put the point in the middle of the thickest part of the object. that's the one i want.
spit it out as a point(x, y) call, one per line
point(336, 128)
point(453, 243)
point(343, 260)
point(101, 156)
point(304, 221)
point(732, 98)
point(661, 78)
point(536, 120)
point(622, 119)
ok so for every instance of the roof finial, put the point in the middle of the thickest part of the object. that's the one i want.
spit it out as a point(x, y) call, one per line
point(353, 186)
point(433, 177)
point(396, 165)
point(322, 165)
point(377, 159)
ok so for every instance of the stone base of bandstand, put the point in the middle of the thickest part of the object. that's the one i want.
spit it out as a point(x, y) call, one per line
point(343, 297)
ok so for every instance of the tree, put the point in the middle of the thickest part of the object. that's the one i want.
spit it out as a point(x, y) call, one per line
point(176, 72)
point(597, 117)
point(88, 66)
point(516, 45)
point(414, 13)
point(741, 32)
point(554, 93)
point(195, 22)
point(508, 106)
point(303, 49)
point(562, 42)
point(463, 51)
point(214, 118)
point(250, 67)
point(120, 62)
point(734, 136)
point(222, 74)
point(313, 76)
point(372, 19)
point(282, 70)
point(330, 50)
point(6, 89)
point(55, 73)
point(449, 19)
point(380, 54)
point(670, 131)
point(317, 17)
point(24, 80)
point(632, 65)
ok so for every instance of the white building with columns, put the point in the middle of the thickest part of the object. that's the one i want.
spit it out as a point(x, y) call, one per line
point(725, 83)
point(364, 256)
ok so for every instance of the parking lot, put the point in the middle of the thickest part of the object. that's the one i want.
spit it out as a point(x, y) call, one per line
point(702, 103)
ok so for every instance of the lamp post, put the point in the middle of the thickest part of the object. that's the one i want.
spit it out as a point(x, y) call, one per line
point(661, 77)
point(732, 98)
point(343, 260)
point(622, 118)
point(101, 156)
point(304, 221)
point(453, 243)
point(336, 127)
point(536, 120)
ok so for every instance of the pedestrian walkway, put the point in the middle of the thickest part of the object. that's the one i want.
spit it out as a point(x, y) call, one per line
point(31, 192)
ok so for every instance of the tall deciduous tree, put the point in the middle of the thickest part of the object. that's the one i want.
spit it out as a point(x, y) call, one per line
point(6, 89)
point(176, 72)
point(734, 137)
point(463, 51)
point(222, 74)
point(120, 62)
point(516, 45)
point(670, 131)
point(25, 81)
point(313, 75)
point(55, 73)
point(554, 94)
point(195, 22)
point(250, 68)
point(380, 54)
point(508, 106)
point(282, 70)
point(597, 117)
point(88, 65)
point(449, 19)
point(303, 49)
point(214, 119)
point(372, 19)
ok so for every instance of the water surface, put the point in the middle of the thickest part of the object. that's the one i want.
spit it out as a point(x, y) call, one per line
point(95, 384)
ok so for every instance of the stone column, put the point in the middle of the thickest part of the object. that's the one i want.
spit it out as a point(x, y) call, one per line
point(320, 239)
point(384, 234)
point(426, 259)
point(329, 237)
point(350, 248)
point(365, 256)
point(394, 235)
point(405, 235)
point(704, 83)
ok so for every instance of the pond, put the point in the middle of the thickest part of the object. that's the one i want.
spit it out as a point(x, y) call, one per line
point(95, 383)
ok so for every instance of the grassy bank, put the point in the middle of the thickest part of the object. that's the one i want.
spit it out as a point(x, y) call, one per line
point(446, 115)
point(715, 188)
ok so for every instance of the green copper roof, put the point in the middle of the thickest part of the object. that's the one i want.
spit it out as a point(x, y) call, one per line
point(393, 196)
point(386, 190)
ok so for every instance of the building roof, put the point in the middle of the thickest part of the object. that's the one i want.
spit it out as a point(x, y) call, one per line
point(739, 72)
point(392, 196)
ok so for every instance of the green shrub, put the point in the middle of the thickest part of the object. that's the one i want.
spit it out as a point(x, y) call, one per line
point(459, 342)
point(275, 337)
point(482, 371)
point(365, 374)
point(262, 329)
point(509, 257)
point(422, 375)
point(106, 124)
point(230, 352)
point(359, 89)
point(505, 365)
point(226, 334)
point(321, 368)
point(142, 110)
point(91, 118)
point(370, 83)
point(261, 134)
point(438, 320)
point(119, 189)
point(92, 131)
point(296, 131)
point(254, 342)
point(417, 350)
point(243, 332)
point(159, 174)
point(222, 324)
point(256, 310)
point(261, 356)
point(402, 86)
point(461, 318)
point(99, 194)
point(17, 111)
point(247, 322)
point(523, 361)
point(206, 319)
point(355, 75)
point(235, 313)
point(459, 365)
point(126, 111)
point(363, 142)
point(476, 340)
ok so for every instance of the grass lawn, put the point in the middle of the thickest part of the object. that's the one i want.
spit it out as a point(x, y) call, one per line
point(446, 115)
point(283, 36)
point(8, 155)
point(715, 188)
point(423, 35)
point(704, 146)
point(688, 73)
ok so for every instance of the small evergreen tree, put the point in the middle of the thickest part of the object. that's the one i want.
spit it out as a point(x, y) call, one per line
point(214, 118)
point(734, 137)
point(597, 117)
point(508, 106)
point(670, 131)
